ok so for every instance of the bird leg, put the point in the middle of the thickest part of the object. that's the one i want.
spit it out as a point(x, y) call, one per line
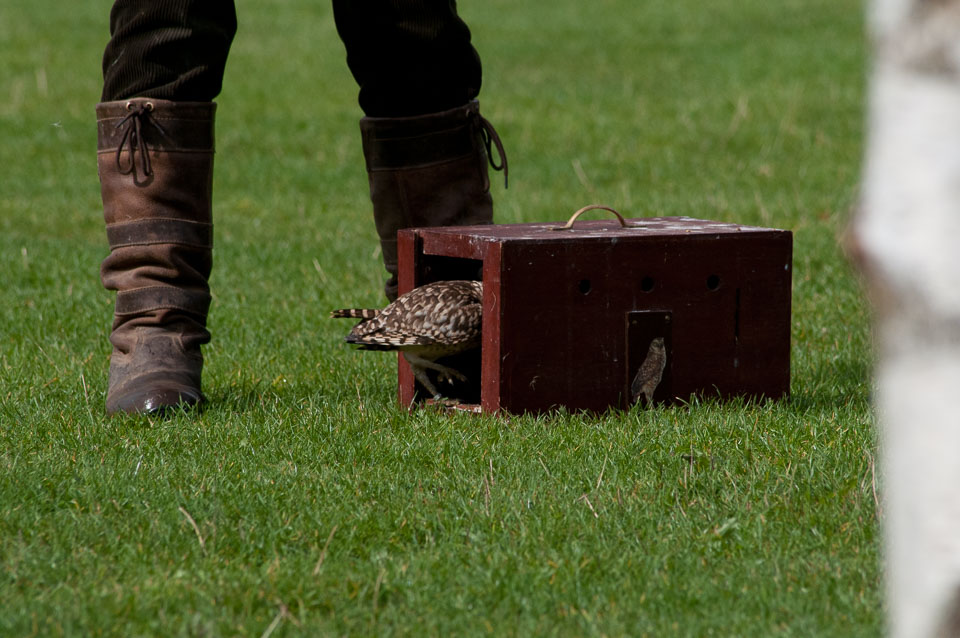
point(419, 366)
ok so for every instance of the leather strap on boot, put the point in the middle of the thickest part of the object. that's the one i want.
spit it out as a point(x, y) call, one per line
point(155, 160)
point(429, 170)
point(181, 246)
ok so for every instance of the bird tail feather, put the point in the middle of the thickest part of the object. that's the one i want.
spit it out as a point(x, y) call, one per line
point(354, 313)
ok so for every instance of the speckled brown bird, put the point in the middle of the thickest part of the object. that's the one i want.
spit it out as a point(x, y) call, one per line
point(430, 322)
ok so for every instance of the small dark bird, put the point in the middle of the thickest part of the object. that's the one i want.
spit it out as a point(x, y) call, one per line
point(649, 375)
point(430, 322)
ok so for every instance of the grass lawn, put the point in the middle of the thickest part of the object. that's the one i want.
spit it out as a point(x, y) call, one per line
point(304, 500)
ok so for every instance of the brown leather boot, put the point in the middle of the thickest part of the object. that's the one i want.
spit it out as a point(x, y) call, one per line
point(428, 170)
point(155, 161)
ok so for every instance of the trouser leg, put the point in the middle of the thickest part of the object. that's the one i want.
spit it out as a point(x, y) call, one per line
point(168, 49)
point(409, 57)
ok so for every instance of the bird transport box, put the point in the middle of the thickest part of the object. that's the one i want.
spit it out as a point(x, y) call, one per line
point(606, 313)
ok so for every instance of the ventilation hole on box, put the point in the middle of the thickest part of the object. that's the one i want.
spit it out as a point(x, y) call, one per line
point(646, 284)
point(584, 286)
point(713, 282)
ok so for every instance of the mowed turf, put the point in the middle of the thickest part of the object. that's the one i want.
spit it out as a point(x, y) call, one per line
point(304, 500)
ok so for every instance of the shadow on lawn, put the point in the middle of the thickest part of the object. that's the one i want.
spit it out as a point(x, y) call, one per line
point(838, 383)
point(257, 397)
point(820, 386)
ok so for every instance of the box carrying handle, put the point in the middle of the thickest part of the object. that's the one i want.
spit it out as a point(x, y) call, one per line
point(573, 218)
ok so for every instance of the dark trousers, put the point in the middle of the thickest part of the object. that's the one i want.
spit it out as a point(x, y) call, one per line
point(409, 57)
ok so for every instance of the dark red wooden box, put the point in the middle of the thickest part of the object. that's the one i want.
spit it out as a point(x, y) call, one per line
point(569, 315)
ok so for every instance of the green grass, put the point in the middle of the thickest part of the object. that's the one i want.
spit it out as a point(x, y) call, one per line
point(304, 501)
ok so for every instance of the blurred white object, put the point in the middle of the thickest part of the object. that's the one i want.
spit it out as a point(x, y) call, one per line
point(906, 237)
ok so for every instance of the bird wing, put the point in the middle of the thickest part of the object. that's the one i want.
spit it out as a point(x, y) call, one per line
point(446, 313)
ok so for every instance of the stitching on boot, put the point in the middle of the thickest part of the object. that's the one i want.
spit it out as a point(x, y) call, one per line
point(145, 232)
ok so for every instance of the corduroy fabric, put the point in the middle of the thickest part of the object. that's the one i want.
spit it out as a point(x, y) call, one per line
point(168, 49)
point(409, 57)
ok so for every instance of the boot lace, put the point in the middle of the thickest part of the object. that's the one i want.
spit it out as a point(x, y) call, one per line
point(132, 138)
point(490, 139)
